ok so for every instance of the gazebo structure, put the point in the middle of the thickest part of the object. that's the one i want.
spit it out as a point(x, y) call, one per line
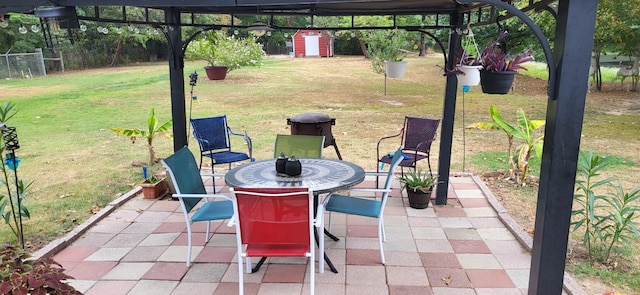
point(568, 65)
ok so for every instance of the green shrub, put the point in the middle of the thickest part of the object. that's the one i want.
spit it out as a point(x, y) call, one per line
point(219, 49)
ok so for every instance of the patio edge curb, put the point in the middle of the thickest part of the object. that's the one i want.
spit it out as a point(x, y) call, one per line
point(58, 244)
point(569, 285)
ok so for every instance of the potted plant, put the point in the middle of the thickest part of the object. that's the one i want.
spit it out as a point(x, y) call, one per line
point(419, 186)
point(499, 69)
point(154, 129)
point(467, 68)
point(21, 274)
point(154, 186)
point(387, 53)
point(225, 53)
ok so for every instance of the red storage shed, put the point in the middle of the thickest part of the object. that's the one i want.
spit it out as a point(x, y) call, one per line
point(310, 43)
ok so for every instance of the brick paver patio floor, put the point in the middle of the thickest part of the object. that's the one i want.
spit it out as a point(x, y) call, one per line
point(469, 246)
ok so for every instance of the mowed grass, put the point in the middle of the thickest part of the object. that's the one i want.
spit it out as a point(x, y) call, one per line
point(78, 164)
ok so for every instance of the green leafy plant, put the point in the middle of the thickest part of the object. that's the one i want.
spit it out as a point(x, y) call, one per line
point(19, 274)
point(523, 130)
point(607, 218)
point(618, 225)
point(494, 59)
point(218, 49)
point(386, 46)
point(417, 180)
point(153, 179)
point(154, 129)
point(585, 213)
point(16, 190)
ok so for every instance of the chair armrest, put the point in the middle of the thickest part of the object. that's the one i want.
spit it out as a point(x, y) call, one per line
point(427, 143)
point(204, 196)
point(366, 190)
point(371, 190)
point(201, 141)
point(376, 173)
point(385, 138)
point(212, 174)
point(246, 138)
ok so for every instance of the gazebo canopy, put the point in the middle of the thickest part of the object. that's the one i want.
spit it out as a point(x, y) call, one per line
point(568, 65)
point(317, 7)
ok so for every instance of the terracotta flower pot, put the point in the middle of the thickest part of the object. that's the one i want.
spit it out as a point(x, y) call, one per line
point(154, 190)
point(216, 72)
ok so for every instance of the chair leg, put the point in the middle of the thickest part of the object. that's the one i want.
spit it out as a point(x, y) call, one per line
point(240, 275)
point(188, 244)
point(377, 174)
point(329, 227)
point(213, 178)
point(321, 252)
point(380, 237)
point(248, 262)
point(206, 237)
point(381, 226)
point(312, 272)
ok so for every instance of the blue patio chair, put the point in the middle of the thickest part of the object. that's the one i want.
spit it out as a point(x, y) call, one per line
point(214, 139)
point(366, 206)
point(187, 180)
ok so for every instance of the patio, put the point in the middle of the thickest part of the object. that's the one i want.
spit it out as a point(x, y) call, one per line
point(470, 246)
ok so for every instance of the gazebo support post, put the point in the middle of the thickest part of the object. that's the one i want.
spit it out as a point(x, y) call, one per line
point(561, 145)
point(448, 117)
point(176, 78)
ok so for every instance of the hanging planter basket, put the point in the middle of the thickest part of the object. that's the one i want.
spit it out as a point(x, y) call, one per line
point(471, 75)
point(395, 69)
point(496, 82)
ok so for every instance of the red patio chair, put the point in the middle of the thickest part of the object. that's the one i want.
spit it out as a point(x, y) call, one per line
point(276, 222)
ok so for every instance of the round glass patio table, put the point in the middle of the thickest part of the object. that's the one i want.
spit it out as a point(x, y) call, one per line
point(319, 175)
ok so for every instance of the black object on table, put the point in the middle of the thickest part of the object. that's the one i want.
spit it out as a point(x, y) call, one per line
point(320, 175)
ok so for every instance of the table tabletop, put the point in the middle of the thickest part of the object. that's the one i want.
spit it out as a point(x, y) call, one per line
point(320, 175)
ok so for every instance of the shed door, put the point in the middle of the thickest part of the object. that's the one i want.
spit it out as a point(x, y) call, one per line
point(312, 46)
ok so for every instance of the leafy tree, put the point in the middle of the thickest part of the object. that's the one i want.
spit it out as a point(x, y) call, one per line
point(12, 41)
point(617, 30)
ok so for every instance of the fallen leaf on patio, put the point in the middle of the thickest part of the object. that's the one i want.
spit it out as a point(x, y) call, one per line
point(447, 280)
point(139, 210)
point(95, 209)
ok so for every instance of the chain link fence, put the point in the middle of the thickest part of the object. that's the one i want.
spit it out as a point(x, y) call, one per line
point(22, 65)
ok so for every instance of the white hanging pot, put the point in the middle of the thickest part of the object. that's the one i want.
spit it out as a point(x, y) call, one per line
point(471, 75)
point(395, 69)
